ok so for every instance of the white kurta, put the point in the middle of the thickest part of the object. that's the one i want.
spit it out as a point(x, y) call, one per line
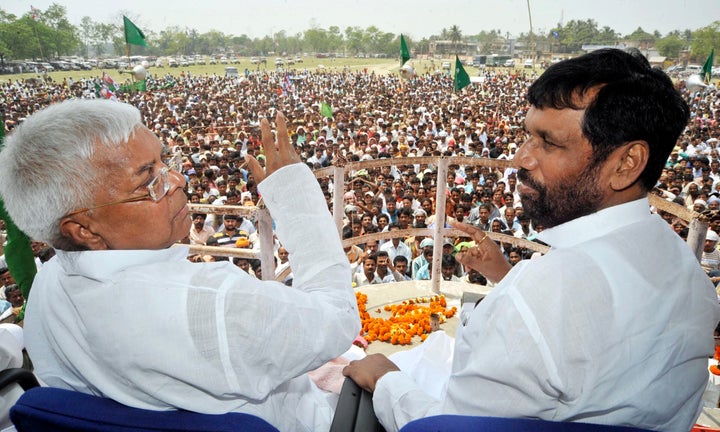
point(613, 326)
point(152, 330)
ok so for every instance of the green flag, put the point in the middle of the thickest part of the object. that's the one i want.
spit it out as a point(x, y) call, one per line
point(18, 253)
point(404, 53)
point(326, 110)
point(133, 35)
point(462, 79)
point(141, 86)
point(706, 72)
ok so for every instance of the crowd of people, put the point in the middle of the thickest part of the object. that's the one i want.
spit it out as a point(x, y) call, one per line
point(587, 153)
point(213, 122)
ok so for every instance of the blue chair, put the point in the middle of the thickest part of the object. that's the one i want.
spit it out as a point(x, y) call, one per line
point(52, 409)
point(447, 423)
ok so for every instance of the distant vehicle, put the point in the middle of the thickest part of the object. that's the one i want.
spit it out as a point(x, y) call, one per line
point(254, 60)
point(173, 63)
point(213, 61)
point(223, 60)
point(715, 71)
point(231, 72)
point(495, 60)
point(279, 61)
point(510, 63)
point(446, 65)
point(298, 59)
point(528, 63)
point(693, 69)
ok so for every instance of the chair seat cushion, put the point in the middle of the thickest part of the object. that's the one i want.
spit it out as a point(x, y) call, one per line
point(47, 408)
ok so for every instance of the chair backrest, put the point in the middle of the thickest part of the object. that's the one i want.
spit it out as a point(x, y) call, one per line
point(447, 423)
point(52, 409)
point(354, 411)
point(13, 383)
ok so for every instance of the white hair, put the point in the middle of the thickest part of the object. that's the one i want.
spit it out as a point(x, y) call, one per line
point(46, 162)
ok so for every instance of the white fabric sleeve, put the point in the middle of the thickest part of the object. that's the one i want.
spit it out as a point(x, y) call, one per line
point(269, 333)
point(398, 400)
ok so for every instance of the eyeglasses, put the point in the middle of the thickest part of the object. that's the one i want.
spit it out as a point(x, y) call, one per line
point(157, 188)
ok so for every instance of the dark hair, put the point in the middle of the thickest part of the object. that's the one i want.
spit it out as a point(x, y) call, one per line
point(400, 258)
point(633, 102)
point(10, 288)
point(406, 211)
point(46, 253)
point(448, 261)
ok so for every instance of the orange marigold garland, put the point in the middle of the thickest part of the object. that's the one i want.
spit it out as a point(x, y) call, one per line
point(714, 369)
point(408, 319)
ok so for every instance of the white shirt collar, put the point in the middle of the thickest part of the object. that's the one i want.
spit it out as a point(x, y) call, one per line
point(596, 224)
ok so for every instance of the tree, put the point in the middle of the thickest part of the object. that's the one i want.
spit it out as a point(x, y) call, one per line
point(335, 38)
point(455, 35)
point(354, 40)
point(704, 40)
point(61, 36)
point(577, 33)
point(104, 36)
point(671, 45)
point(87, 32)
point(607, 36)
point(317, 40)
point(641, 36)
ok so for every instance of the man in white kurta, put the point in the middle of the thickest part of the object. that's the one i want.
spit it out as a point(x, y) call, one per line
point(150, 329)
point(603, 310)
point(133, 320)
point(613, 325)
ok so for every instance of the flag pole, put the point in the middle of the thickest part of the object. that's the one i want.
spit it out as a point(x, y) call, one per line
point(37, 36)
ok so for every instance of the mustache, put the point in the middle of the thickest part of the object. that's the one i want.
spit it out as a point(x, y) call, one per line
point(523, 175)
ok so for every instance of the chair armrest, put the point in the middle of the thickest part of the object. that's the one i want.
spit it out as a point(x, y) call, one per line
point(354, 412)
point(23, 377)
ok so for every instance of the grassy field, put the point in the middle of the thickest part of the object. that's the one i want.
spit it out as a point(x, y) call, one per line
point(379, 66)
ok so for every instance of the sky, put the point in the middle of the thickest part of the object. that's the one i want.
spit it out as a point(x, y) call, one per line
point(417, 18)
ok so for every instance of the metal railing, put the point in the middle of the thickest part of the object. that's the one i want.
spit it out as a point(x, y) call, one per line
point(340, 174)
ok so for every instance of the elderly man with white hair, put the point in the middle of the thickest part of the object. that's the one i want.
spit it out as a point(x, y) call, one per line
point(119, 313)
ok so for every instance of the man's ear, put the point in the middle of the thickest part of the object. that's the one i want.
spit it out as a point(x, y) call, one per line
point(77, 229)
point(630, 161)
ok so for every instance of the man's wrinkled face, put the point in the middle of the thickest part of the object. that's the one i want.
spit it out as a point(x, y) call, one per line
point(142, 224)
